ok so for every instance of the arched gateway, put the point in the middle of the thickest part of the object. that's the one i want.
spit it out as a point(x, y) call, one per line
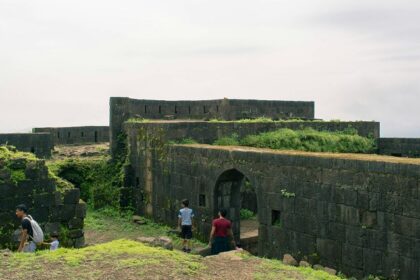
point(233, 192)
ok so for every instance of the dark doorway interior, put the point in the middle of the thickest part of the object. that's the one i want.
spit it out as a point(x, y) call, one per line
point(235, 193)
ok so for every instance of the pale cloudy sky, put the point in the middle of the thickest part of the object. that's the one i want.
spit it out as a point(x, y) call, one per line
point(60, 61)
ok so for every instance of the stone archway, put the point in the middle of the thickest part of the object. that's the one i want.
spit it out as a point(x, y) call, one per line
point(232, 192)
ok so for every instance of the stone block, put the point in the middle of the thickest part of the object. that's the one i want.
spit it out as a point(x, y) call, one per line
point(72, 196)
point(67, 211)
point(368, 218)
point(329, 250)
point(52, 228)
point(44, 199)
point(76, 233)
point(75, 223)
point(372, 262)
point(79, 242)
point(81, 209)
point(353, 256)
point(289, 260)
point(408, 268)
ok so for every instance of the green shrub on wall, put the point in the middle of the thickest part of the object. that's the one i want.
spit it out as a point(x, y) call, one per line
point(307, 139)
point(99, 180)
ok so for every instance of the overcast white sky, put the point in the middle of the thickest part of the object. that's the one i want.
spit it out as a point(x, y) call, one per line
point(60, 61)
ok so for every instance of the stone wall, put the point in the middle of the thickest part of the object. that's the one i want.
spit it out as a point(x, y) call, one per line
point(357, 213)
point(38, 143)
point(122, 109)
point(24, 180)
point(77, 135)
point(402, 147)
point(208, 132)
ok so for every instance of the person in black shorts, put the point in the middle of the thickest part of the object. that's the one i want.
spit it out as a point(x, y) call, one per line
point(185, 224)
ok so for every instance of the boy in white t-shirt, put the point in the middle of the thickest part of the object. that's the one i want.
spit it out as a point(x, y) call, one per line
point(185, 223)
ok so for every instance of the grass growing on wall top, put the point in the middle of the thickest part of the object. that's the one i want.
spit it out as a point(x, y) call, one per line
point(307, 139)
point(10, 153)
point(14, 162)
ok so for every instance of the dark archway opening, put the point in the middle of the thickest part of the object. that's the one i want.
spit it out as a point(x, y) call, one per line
point(235, 193)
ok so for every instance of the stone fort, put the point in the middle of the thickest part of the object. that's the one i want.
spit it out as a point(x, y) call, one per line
point(358, 213)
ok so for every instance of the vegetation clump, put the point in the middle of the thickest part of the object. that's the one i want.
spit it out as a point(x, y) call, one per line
point(13, 164)
point(246, 214)
point(98, 179)
point(307, 139)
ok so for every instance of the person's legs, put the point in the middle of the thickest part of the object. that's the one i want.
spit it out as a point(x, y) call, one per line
point(219, 245)
point(188, 236)
point(184, 237)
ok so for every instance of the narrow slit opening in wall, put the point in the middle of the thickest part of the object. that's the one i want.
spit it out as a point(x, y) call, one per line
point(176, 110)
point(68, 134)
point(82, 134)
point(217, 108)
point(204, 109)
point(96, 137)
point(189, 110)
point(160, 109)
point(275, 218)
point(202, 200)
point(58, 135)
point(145, 109)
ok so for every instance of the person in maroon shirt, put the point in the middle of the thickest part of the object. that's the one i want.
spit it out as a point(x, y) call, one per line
point(221, 232)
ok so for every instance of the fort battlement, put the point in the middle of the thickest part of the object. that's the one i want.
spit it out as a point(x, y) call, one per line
point(122, 109)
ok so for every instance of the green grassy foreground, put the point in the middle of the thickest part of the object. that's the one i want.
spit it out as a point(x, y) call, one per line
point(114, 254)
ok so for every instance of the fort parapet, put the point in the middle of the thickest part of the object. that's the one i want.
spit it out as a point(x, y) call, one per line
point(401, 147)
point(76, 134)
point(122, 109)
point(39, 144)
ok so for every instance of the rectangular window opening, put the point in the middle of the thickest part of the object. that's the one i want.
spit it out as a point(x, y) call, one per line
point(275, 218)
point(202, 200)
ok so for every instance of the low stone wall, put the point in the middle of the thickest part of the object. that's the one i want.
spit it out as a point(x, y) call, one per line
point(40, 144)
point(208, 132)
point(401, 147)
point(357, 213)
point(77, 135)
point(27, 181)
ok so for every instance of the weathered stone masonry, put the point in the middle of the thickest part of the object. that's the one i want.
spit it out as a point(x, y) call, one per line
point(56, 212)
point(403, 147)
point(77, 134)
point(122, 109)
point(357, 213)
point(38, 143)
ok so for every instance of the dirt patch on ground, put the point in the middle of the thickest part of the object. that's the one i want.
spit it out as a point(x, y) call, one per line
point(83, 151)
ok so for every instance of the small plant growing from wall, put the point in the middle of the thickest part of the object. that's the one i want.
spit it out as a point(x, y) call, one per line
point(287, 194)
